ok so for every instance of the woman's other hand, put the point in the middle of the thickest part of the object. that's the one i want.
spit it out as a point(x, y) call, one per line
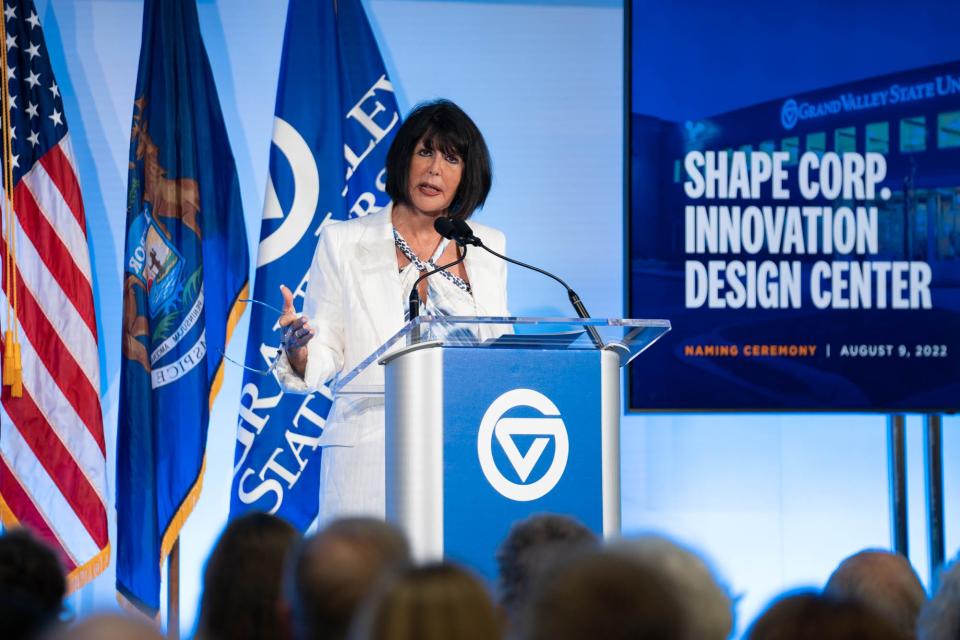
point(296, 333)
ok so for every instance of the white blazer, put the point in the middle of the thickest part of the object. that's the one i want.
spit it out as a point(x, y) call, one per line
point(354, 303)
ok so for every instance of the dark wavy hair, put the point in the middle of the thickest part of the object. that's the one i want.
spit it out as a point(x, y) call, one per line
point(529, 549)
point(443, 126)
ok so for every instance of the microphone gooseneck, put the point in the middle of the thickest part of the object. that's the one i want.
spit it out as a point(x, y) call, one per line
point(463, 234)
point(415, 295)
point(444, 227)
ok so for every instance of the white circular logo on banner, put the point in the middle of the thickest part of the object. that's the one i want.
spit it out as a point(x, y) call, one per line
point(306, 195)
point(494, 425)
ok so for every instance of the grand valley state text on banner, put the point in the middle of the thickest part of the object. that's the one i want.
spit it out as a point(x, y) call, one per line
point(335, 117)
point(186, 265)
point(52, 449)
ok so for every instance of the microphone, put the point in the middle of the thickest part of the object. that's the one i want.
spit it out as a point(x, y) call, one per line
point(463, 235)
point(444, 227)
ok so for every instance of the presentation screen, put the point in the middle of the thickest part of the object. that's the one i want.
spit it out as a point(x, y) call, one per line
point(805, 250)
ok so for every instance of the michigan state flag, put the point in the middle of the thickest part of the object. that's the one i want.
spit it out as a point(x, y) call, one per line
point(186, 266)
point(335, 117)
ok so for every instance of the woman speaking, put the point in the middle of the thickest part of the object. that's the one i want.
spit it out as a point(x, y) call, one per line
point(360, 280)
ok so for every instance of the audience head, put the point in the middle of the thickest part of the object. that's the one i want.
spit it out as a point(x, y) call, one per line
point(940, 617)
point(529, 548)
point(706, 606)
point(813, 616)
point(882, 581)
point(600, 594)
point(333, 571)
point(243, 577)
point(32, 585)
point(432, 602)
point(110, 627)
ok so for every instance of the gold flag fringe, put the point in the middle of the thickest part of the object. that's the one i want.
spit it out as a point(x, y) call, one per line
point(88, 570)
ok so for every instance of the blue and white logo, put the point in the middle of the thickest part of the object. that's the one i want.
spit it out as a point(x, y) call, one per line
point(306, 189)
point(789, 114)
point(494, 425)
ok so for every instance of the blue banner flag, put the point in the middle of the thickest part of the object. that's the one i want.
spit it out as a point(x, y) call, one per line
point(186, 269)
point(335, 117)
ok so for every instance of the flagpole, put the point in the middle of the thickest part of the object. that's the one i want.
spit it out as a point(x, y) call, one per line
point(173, 592)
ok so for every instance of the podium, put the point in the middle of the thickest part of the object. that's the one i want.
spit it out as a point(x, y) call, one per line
point(490, 420)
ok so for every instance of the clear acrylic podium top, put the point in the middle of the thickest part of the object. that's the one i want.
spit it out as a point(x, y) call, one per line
point(627, 338)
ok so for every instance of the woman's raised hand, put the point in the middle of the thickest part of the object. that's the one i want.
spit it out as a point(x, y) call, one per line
point(296, 333)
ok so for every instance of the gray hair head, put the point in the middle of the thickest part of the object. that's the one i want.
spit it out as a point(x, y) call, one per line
point(883, 581)
point(706, 603)
point(940, 616)
point(333, 571)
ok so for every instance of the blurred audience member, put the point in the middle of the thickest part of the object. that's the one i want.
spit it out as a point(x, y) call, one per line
point(110, 627)
point(432, 602)
point(32, 585)
point(940, 617)
point(600, 594)
point(813, 616)
point(883, 581)
point(333, 571)
point(529, 548)
point(243, 577)
point(706, 606)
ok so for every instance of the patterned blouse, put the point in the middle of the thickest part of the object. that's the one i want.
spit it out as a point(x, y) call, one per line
point(447, 293)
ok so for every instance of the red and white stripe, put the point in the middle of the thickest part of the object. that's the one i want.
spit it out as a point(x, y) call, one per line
point(52, 450)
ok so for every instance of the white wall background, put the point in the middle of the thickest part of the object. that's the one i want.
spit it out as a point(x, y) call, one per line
point(775, 501)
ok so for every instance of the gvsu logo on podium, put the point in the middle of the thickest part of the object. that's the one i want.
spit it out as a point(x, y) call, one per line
point(549, 426)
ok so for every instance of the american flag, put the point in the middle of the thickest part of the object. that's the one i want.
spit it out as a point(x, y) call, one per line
point(52, 453)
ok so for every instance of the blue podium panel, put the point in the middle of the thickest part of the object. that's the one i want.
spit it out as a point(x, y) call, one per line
point(522, 435)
